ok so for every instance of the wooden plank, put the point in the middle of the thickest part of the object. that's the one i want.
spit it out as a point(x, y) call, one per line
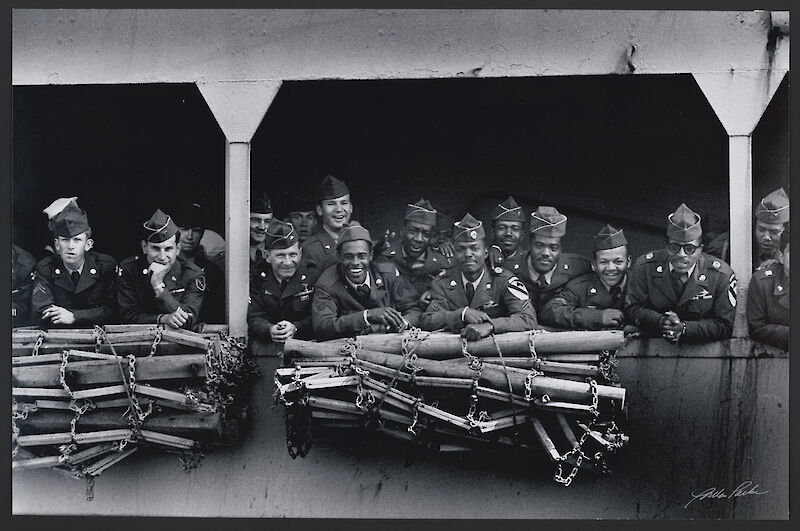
point(80, 438)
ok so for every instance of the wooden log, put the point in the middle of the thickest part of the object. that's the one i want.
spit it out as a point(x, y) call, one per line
point(120, 328)
point(568, 433)
point(185, 424)
point(55, 460)
point(572, 358)
point(96, 372)
point(491, 376)
point(499, 424)
point(439, 345)
point(136, 348)
point(166, 439)
point(101, 465)
point(546, 366)
point(545, 440)
point(17, 361)
point(184, 337)
point(80, 438)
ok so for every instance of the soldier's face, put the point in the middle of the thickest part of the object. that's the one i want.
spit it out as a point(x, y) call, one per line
point(335, 212)
point(303, 223)
point(611, 265)
point(545, 252)
point(190, 240)
point(355, 257)
point(507, 234)
point(768, 236)
point(470, 256)
point(73, 250)
point(164, 253)
point(416, 237)
point(682, 261)
point(258, 227)
point(444, 234)
point(284, 261)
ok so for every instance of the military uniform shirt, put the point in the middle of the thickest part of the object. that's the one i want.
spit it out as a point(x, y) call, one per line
point(707, 304)
point(434, 264)
point(568, 266)
point(336, 312)
point(319, 252)
point(768, 307)
point(269, 304)
point(502, 296)
point(185, 287)
point(91, 301)
point(22, 267)
point(580, 305)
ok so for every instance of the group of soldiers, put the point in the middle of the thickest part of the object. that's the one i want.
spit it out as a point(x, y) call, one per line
point(318, 274)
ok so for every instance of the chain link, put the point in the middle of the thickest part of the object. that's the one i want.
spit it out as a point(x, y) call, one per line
point(140, 416)
point(98, 337)
point(474, 362)
point(156, 340)
point(593, 389)
point(415, 418)
point(39, 341)
point(62, 373)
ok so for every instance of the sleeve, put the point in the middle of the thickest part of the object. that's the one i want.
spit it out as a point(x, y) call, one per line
point(327, 322)
point(304, 327)
point(41, 293)
point(130, 307)
point(21, 298)
point(258, 323)
point(636, 310)
point(191, 300)
point(405, 299)
point(438, 315)
point(521, 315)
point(720, 324)
point(565, 311)
point(105, 313)
point(759, 327)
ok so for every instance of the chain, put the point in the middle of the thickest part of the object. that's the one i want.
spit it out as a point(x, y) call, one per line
point(529, 384)
point(233, 341)
point(89, 488)
point(65, 450)
point(566, 481)
point(98, 337)
point(39, 341)
point(608, 365)
point(411, 428)
point(156, 340)
point(26, 408)
point(78, 410)
point(473, 403)
point(211, 374)
point(593, 389)
point(474, 362)
point(62, 373)
point(532, 345)
point(190, 460)
point(132, 382)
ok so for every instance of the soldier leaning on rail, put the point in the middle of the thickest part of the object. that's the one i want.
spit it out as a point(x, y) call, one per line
point(158, 286)
point(335, 210)
point(680, 293)
point(768, 303)
point(594, 301)
point(358, 296)
point(508, 222)
point(22, 266)
point(280, 290)
point(473, 299)
point(545, 268)
point(75, 286)
point(411, 252)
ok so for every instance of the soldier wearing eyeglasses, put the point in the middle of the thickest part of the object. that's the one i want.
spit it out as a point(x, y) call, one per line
point(680, 293)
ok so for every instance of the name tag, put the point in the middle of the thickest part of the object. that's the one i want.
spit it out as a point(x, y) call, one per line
point(179, 290)
point(704, 294)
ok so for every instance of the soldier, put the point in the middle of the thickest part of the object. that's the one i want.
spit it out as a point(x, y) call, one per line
point(189, 219)
point(22, 266)
point(680, 293)
point(411, 253)
point(507, 222)
point(768, 303)
point(260, 216)
point(158, 286)
point(280, 291)
point(545, 268)
point(335, 209)
point(771, 221)
point(302, 216)
point(473, 299)
point(356, 296)
point(594, 301)
point(75, 286)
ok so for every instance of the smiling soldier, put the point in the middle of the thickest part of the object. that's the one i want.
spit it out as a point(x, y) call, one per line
point(507, 223)
point(302, 216)
point(280, 291)
point(75, 286)
point(158, 286)
point(356, 296)
point(260, 216)
point(680, 293)
point(594, 301)
point(545, 268)
point(335, 209)
point(473, 299)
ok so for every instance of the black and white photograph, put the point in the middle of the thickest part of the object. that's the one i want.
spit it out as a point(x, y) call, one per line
point(400, 263)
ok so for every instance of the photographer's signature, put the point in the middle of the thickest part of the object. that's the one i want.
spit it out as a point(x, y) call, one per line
point(745, 488)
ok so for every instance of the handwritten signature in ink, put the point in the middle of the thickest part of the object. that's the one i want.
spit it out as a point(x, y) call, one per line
point(745, 488)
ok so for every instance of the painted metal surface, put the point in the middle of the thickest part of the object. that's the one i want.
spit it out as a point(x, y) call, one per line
point(714, 416)
point(237, 253)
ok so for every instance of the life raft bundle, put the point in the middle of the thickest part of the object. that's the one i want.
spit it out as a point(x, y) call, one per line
point(85, 399)
point(534, 390)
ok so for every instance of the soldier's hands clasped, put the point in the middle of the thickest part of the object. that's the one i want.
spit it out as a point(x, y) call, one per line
point(390, 317)
point(473, 316)
point(473, 332)
point(612, 317)
point(176, 319)
point(282, 331)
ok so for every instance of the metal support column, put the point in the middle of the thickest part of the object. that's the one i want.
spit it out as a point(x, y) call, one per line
point(740, 190)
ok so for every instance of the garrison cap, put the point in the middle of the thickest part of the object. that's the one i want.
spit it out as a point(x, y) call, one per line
point(331, 188)
point(299, 202)
point(260, 203)
point(684, 224)
point(280, 235)
point(549, 222)
point(189, 215)
point(609, 238)
point(159, 227)
point(353, 231)
point(774, 208)
point(508, 210)
point(468, 229)
point(65, 218)
point(422, 212)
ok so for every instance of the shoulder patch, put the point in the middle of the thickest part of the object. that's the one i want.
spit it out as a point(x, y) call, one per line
point(517, 289)
point(732, 290)
point(200, 282)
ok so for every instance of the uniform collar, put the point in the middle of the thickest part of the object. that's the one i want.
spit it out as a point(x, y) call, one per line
point(367, 282)
point(691, 269)
point(547, 276)
point(621, 285)
point(334, 236)
point(464, 280)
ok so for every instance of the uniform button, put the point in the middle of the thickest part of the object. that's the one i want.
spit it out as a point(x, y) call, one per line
point(58, 271)
point(453, 283)
point(263, 274)
point(592, 291)
point(488, 286)
point(93, 271)
point(327, 246)
point(701, 277)
point(144, 271)
point(566, 266)
point(173, 279)
point(660, 269)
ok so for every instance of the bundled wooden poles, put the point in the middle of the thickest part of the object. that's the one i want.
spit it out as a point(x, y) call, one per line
point(86, 399)
point(545, 390)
